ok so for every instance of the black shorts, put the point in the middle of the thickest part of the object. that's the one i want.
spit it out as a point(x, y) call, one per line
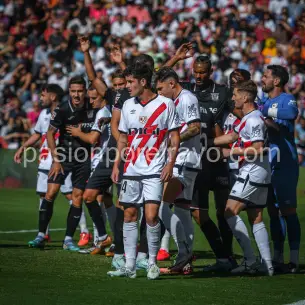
point(80, 174)
point(212, 177)
point(100, 178)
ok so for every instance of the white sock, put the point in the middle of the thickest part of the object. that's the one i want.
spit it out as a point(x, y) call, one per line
point(173, 224)
point(262, 240)
point(68, 238)
point(41, 234)
point(240, 232)
point(153, 240)
point(186, 219)
point(102, 205)
point(111, 214)
point(141, 255)
point(117, 256)
point(47, 230)
point(130, 234)
point(165, 241)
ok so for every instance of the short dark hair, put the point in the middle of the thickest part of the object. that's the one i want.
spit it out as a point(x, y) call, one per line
point(203, 59)
point(57, 90)
point(145, 59)
point(244, 73)
point(248, 86)
point(166, 73)
point(140, 71)
point(78, 80)
point(279, 72)
point(118, 74)
point(91, 88)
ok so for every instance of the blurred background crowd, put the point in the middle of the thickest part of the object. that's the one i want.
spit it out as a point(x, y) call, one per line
point(38, 44)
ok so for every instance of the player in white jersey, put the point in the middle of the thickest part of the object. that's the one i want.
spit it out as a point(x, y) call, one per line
point(50, 97)
point(101, 168)
point(147, 121)
point(251, 188)
point(179, 190)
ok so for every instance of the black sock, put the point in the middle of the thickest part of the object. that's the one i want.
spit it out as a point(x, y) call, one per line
point(118, 233)
point(97, 217)
point(163, 229)
point(45, 214)
point(143, 246)
point(73, 219)
point(226, 235)
point(212, 234)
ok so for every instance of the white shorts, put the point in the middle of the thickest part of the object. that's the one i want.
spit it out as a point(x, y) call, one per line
point(248, 190)
point(42, 183)
point(187, 178)
point(139, 192)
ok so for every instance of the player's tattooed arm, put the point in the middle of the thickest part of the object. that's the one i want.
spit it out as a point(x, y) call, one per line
point(99, 85)
point(193, 130)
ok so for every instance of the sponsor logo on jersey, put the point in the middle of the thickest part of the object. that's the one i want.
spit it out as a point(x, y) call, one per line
point(143, 119)
point(192, 111)
point(215, 96)
point(292, 102)
point(256, 131)
point(213, 110)
point(203, 110)
point(144, 131)
point(70, 118)
point(274, 105)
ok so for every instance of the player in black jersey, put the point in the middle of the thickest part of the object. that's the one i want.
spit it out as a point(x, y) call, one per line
point(70, 155)
point(213, 101)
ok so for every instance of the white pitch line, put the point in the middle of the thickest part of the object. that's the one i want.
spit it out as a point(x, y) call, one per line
point(29, 231)
point(301, 302)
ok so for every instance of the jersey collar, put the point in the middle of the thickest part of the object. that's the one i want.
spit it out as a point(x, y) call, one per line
point(138, 101)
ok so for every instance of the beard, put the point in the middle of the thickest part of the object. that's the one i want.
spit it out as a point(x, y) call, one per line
point(267, 89)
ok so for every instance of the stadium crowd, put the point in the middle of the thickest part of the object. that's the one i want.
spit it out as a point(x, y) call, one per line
point(38, 44)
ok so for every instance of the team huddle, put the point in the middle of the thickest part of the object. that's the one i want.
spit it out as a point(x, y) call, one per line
point(166, 144)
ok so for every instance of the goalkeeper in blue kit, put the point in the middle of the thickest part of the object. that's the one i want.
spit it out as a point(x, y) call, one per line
point(280, 110)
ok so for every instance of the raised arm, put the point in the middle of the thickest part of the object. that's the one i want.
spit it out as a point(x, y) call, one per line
point(181, 54)
point(98, 84)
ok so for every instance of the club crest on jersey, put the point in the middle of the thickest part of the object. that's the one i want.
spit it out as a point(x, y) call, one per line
point(90, 114)
point(215, 96)
point(143, 119)
point(274, 105)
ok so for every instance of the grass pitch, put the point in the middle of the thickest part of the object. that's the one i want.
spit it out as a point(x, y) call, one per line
point(53, 276)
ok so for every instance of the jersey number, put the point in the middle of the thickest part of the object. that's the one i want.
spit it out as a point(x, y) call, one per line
point(124, 186)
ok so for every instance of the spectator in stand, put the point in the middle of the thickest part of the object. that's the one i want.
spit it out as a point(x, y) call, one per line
point(295, 81)
point(58, 77)
point(120, 27)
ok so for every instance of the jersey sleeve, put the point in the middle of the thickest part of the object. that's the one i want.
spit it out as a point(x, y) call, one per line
point(173, 121)
point(38, 126)
point(123, 121)
point(103, 113)
point(191, 109)
point(256, 129)
point(56, 118)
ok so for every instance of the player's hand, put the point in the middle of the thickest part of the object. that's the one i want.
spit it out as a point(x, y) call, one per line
point(103, 121)
point(116, 55)
point(18, 155)
point(183, 51)
point(167, 173)
point(55, 170)
point(74, 131)
point(115, 174)
point(84, 43)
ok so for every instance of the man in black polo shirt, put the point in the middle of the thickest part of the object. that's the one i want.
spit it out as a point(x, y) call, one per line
point(71, 155)
point(213, 101)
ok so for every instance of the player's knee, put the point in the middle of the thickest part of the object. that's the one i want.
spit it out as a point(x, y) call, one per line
point(51, 193)
point(130, 215)
point(87, 197)
point(152, 220)
point(230, 212)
